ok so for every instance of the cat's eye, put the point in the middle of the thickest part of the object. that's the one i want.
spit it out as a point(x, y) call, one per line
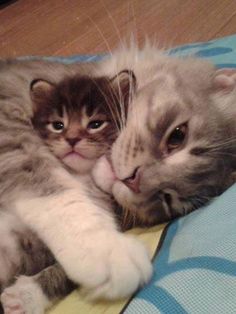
point(177, 137)
point(56, 126)
point(96, 125)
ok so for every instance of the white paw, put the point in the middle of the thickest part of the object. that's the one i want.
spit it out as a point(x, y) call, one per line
point(24, 297)
point(115, 266)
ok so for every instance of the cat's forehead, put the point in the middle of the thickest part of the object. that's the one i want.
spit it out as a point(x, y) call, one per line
point(161, 102)
point(78, 92)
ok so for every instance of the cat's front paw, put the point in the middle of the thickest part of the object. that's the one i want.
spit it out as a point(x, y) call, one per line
point(117, 266)
point(128, 268)
point(24, 297)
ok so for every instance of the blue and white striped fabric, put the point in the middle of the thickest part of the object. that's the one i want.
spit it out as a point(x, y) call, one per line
point(195, 270)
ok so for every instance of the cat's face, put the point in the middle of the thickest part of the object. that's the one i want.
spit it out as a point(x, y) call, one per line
point(79, 118)
point(178, 148)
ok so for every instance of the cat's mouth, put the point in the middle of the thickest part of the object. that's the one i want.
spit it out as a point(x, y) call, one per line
point(77, 161)
point(73, 155)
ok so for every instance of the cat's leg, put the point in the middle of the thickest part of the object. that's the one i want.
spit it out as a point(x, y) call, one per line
point(34, 294)
point(84, 239)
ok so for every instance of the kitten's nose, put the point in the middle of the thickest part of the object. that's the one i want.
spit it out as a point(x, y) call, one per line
point(133, 181)
point(72, 140)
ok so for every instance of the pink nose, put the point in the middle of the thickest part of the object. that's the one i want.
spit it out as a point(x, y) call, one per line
point(133, 181)
point(72, 140)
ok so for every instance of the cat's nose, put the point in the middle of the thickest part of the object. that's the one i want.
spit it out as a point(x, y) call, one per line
point(133, 182)
point(72, 140)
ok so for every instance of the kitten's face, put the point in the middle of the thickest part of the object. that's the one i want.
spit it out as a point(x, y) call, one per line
point(178, 148)
point(78, 118)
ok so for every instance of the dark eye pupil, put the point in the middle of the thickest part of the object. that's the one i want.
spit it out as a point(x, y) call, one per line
point(95, 124)
point(176, 137)
point(58, 125)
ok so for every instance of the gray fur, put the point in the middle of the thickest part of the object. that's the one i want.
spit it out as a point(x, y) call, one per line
point(180, 91)
point(54, 282)
point(25, 163)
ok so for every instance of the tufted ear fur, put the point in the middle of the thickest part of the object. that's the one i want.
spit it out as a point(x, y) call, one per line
point(40, 91)
point(125, 83)
point(224, 80)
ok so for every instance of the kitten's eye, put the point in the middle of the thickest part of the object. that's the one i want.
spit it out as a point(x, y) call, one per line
point(56, 126)
point(177, 137)
point(96, 125)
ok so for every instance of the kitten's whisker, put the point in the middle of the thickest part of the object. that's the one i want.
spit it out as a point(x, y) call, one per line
point(121, 103)
point(113, 109)
point(116, 101)
point(114, 114)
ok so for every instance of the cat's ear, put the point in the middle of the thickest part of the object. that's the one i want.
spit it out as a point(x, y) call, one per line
point(125, 84)
point(40, 90)
point(224, 80)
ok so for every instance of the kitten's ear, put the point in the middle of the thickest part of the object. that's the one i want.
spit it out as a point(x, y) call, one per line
point(125, 84)
point(40, 90)
point(224, 80)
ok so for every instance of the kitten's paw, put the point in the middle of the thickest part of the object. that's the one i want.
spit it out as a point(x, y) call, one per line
point(117, 267)
point(24, 297)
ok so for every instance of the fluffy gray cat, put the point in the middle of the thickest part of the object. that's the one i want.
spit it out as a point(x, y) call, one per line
point(178, 149)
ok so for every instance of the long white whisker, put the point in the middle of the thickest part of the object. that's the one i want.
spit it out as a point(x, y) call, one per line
point(114, 114)
point(100, 32)
point(122, 45)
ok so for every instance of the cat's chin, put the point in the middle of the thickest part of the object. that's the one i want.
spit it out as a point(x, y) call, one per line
point(78, 163)
point(106, 180)
point(124, 196)
point(103, 175)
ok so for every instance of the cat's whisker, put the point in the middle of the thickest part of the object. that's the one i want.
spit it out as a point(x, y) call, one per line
point(135, 28)
point(221, 146)
point(113, 106)
point(124, 218)
point(100, 33)
point(197, 202)
point(113, 109)
point(110, 52)
point(122, 118)
point(224, 144)
point(114, 24)
point(219, 153)
point(128, 218)
point(121, 103)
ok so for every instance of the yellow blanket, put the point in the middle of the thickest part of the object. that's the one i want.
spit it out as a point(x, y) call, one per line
point(75, 303)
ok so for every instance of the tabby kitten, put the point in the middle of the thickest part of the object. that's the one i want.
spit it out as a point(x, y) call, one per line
point(78, 118)
point(41, 200)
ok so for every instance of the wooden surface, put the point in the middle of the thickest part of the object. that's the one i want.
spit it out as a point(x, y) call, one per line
point(66, 27)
